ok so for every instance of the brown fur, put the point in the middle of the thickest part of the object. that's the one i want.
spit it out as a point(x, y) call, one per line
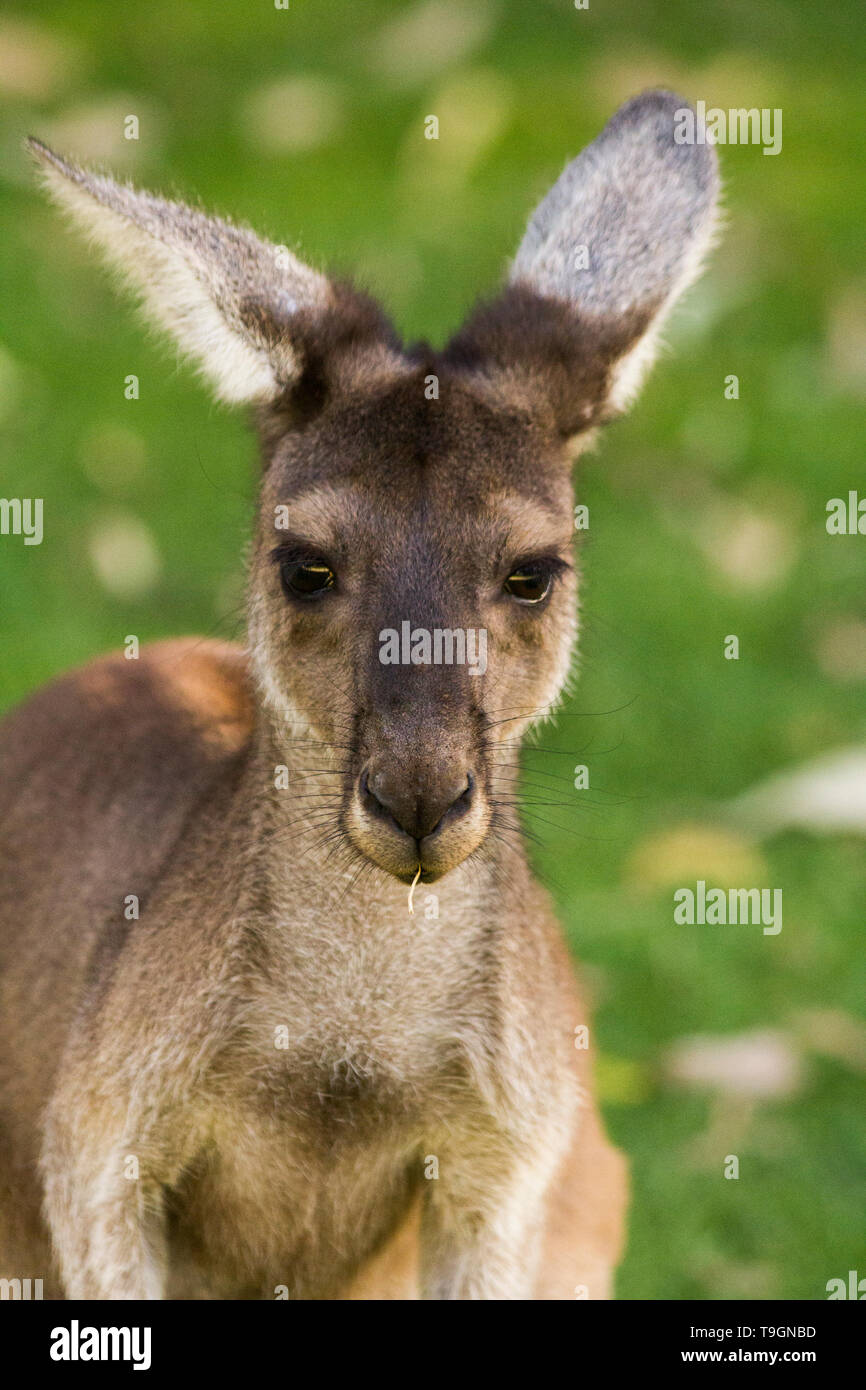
point(233, 1064)
point(105, 818)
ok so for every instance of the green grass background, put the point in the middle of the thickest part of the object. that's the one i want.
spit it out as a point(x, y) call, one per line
point(668, 727)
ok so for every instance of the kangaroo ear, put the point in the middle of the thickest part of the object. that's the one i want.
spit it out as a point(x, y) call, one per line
point(230, 300)
point(606, 254)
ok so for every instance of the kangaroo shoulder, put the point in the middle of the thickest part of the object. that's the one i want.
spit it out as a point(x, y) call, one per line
point(180, 710)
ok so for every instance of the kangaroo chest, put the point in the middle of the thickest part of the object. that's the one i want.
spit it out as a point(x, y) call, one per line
point(344, 1070)
point(266, 1212)
point(364, 1021)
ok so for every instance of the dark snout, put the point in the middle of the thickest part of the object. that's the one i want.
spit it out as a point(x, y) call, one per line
point(419, 795)
point(418, 801)
point(419, 788)
point(418, 808)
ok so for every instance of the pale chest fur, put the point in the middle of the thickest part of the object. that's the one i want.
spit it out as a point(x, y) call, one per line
point(374, 1001)
point(354, 1054)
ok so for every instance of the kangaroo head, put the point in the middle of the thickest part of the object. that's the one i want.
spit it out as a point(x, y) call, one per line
point(412, 596)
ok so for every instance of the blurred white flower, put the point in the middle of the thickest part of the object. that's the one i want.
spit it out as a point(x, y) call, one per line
point(826, 796)
point(124, 555)
point(95, 131)
point(34, 63)
point(761, 1064)
point(293, 114)
point(683, 853)
point(846, 340)
point(428, 38)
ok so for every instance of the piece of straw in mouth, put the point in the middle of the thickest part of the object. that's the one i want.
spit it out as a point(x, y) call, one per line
point(412, 890)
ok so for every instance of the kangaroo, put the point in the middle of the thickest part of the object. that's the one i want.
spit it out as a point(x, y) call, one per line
point(237, 1059)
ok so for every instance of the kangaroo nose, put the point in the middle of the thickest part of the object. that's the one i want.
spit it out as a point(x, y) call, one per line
point(418, 803)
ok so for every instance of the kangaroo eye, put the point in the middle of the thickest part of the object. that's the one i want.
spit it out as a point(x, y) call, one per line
point(529, 583)
point(307, 580)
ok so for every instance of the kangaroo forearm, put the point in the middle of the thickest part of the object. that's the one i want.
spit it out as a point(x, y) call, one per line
point(105, 1243)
